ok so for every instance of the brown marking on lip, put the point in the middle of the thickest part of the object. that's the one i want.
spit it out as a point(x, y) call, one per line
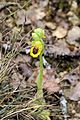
point(35, 50)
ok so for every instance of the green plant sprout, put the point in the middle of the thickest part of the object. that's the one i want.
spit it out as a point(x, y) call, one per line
point(35, 51)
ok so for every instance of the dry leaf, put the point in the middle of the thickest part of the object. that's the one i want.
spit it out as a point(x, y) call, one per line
point(25, 69)
point(43, 3)
point(60, 32)
point(22, 18)
point(74, 6)
point(51, 86)
point(51, 25)
point(73, 18)
point(73, 77)
point(33, 14)
point(23, 58)
point(59, 48)
point(73, 36)
point(15, 81)
point(75, 93)
point(32, 78)
point(50, 83)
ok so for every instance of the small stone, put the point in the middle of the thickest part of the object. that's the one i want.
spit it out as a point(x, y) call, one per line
point(73, 112)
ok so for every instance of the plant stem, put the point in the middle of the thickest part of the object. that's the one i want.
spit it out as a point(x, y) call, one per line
point(39, 79)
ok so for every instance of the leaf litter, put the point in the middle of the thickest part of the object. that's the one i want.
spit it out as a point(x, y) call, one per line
point(19, 71)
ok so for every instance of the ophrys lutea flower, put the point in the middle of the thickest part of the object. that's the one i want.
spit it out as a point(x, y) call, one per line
point(37, 43)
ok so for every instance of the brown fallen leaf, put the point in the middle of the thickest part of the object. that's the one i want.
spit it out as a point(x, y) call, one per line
point(49, 74)
point(73, 77)
point(22, 58)
point(74, 6)
point(51, 86)
point(50, 83)
point(15, 80)
point(33, 14)
point(73, 18)
point(59, 48)
point(73, 36)
point(75, 93)
point(25, 69)
point(21, 18)
point(60, 32)
point(51, 25)
point(43, 3)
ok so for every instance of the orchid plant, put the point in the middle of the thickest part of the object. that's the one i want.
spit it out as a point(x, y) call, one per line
point(36, 50)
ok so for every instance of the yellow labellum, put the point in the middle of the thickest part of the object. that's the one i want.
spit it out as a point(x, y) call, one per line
point(36, 49)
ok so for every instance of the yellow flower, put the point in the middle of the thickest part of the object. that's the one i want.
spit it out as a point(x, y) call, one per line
point(36, 48)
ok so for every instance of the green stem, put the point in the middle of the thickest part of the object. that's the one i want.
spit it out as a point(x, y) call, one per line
point(40, 78)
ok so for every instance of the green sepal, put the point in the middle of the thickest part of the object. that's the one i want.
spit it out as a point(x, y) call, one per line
point(40, 32)
point(35, 36)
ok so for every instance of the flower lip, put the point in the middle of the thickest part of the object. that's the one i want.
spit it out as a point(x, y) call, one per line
point(35, 51)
